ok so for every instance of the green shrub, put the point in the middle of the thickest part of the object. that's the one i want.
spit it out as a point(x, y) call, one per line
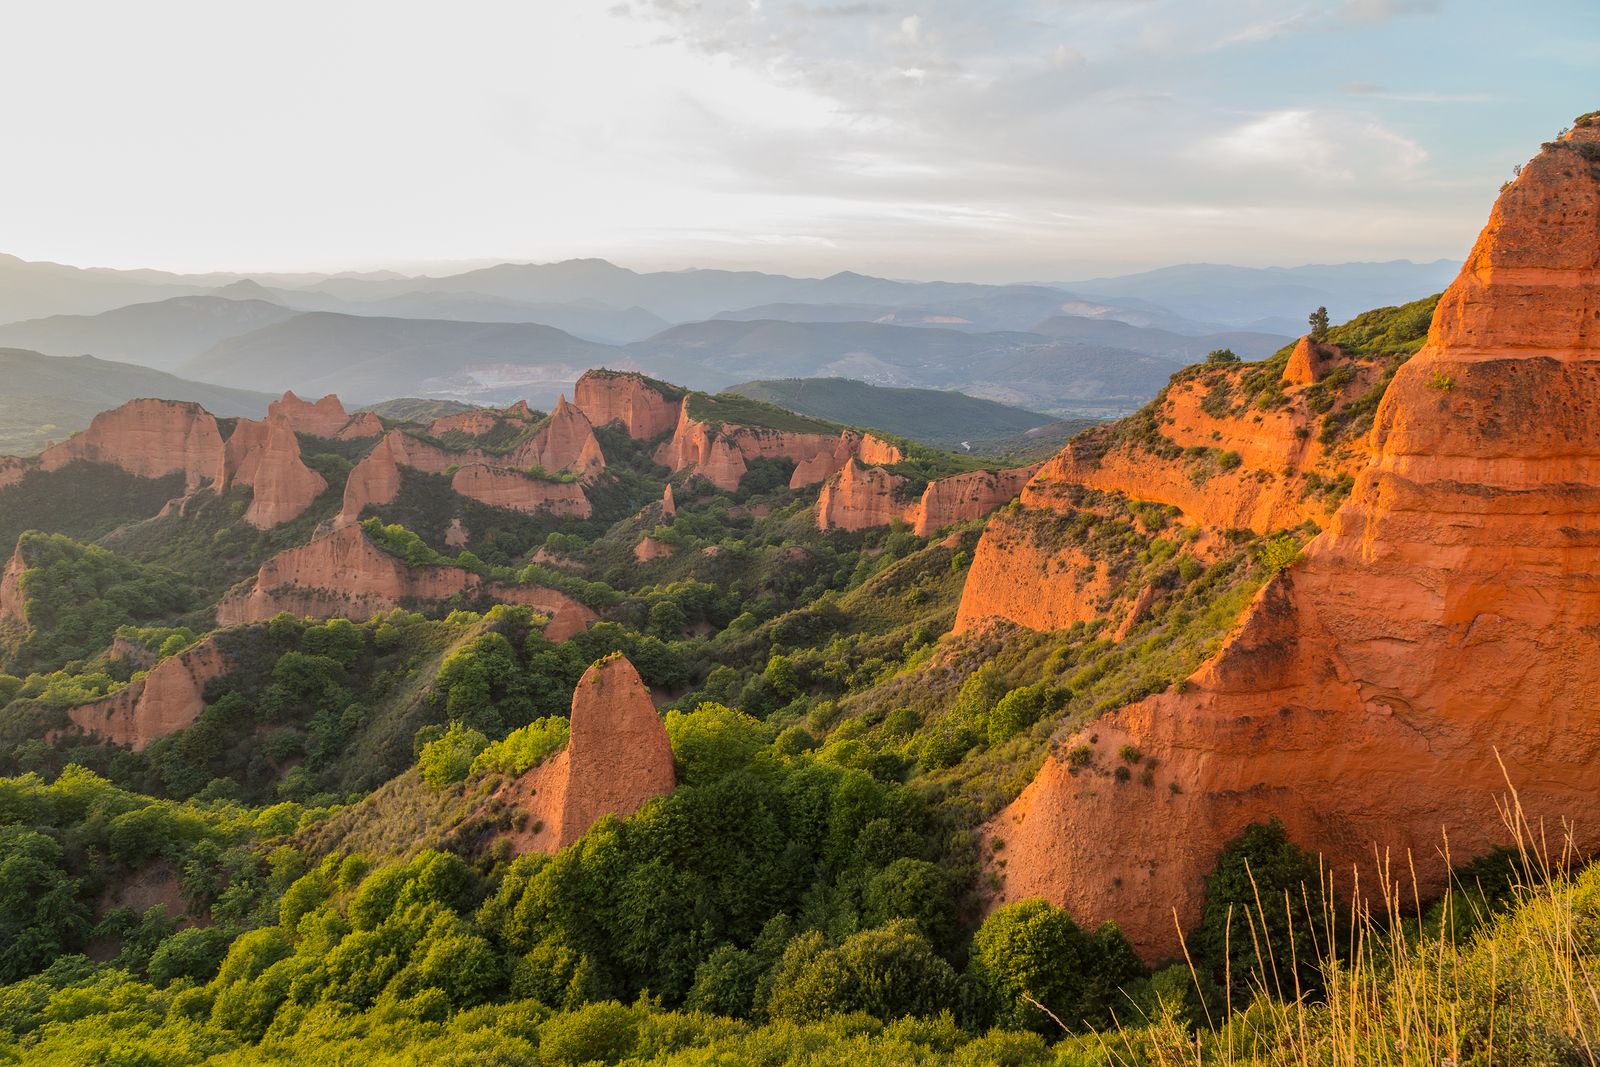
point(449, 759)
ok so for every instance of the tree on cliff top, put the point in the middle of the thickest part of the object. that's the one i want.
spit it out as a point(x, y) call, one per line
point(1319, 325)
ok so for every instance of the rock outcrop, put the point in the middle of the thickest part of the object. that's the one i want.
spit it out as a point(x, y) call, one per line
point(646, 408)
point(148, 439)
point(1440, 624)
point(13, 605)
point(326, 418)
point(866, 449)
point(344, 575)
point(563, 442)
point(361, 427)
point(474, 423)
point(1205, 447)
point(498, 480)
point(266, 457)
point(962, 497)
point(617, 758)
point(646, 550)
point(168, 699)
point(859, 497)
point(502, 488)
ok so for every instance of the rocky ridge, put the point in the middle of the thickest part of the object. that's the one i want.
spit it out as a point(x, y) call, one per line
point(344, 575)
point(1371, 693)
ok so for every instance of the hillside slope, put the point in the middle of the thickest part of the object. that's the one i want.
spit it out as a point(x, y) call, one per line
point(944, 419)
point(48, 398)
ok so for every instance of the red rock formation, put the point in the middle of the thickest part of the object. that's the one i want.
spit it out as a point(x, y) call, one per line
point(12, 469)
point(266, 457)
point(343, 575)
point(361, 427)
point(1441, 619)
point(564, 442)
point(148, 439)
point(501, 488)
point(13, 606)
point(617, 759)
point(1309, 362)
point(719, 454)
point(645, 409)
point(646, 550)
point(669, 507)
point(1266, 484)
point(858, 498)
point(166, 700)
point(963, 497)
point(325, 418)
point(376, 479)
point(520, 411)
point(875, 451)
point(457, 536)
point(474, 423)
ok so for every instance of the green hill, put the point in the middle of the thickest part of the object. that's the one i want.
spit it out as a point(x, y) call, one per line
point(937, 417)
point(49, 398)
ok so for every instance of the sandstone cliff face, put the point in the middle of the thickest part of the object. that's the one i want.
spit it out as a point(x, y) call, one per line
point(1223, 466)
point(325, 418)
point(164, 701)
point(474, 423)
point(646, 550)
point(148, 439)
point(266, 457)
point(962, 497)
point(1439, 619)
point(501, 488)
point(720, 454)
point(823, 464)
point(565, 442)
point(617, 758)
point(362, 427)
point(858, 498)
point(343, 575)
point(492, 479)
point(621, 396)
point(13, 607)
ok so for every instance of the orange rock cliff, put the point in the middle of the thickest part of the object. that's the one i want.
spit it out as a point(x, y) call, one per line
point(1444, 615)
point(647, 409)
point(343, 574)
point(266, 457)
point(860, 497)
point(148, 439)
point(13, 605)
point(169, 698)
point(617, 758)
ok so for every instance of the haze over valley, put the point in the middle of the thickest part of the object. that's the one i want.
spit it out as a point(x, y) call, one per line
point(819, 533)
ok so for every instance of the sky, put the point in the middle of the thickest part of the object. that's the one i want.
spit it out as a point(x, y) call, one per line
point(991, 140)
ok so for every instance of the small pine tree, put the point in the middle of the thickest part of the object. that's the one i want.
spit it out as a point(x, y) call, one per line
point(1319, 325)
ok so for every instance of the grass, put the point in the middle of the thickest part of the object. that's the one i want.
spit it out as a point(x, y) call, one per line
point(1475, 981)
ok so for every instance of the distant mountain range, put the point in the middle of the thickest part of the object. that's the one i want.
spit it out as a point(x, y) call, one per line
point(46, 398)
point(1099, 347)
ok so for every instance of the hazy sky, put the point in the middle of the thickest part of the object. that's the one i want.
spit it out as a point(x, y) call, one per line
point(998, 140)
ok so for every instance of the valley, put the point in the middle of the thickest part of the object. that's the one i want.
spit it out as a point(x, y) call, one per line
point(728, 667)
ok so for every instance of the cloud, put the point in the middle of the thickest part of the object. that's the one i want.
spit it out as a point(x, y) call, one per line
point(1375, 11)
point(1318, 146)
point(1378, 92)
